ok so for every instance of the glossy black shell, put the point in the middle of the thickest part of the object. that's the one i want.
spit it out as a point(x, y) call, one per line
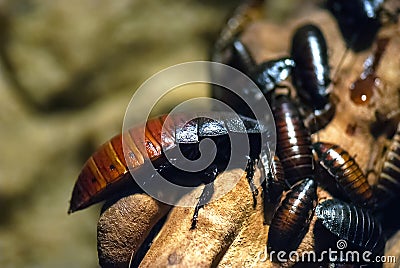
point(358, 21)
point(292, 218)
point(269, 74)
point(352, 224)
point(311, 74)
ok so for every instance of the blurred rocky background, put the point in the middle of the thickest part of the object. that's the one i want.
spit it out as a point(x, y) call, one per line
point(67, 72)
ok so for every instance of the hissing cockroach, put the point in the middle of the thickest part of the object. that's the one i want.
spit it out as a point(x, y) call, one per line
point(358, 20)
point(293, 140)
point(292, 218)
point(345, 170)
point(388, 184)
point(107, 169)
point(311, 74)
point(275, 181)
point(351, 223)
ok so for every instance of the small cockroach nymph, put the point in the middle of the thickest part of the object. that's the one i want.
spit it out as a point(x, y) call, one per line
point(351, 223)
point(292, 218)
point(345, 170)
point(293, 140)
point(311, 75)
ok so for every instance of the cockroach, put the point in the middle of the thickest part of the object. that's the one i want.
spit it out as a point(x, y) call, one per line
point(107, 169)
point(311, 74)
point(358, 20)
point(345, 170)
point(388, 184)
point(293, 140)
point(292, 218)
point(267, 76)
point(351, 223)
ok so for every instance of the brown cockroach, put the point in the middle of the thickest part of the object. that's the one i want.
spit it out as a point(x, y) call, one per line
point(107, 170)
point(345, 170)
point(293, 140)
point(292, 218)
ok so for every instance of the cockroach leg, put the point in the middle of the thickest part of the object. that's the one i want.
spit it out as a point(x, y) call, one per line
point(208, 190)
point(250, 168)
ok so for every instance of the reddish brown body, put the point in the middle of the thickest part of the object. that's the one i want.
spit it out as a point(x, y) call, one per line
point(346, 172)
point(292, 218)
point(108, 165)
point(293, 140)
point(109, 170)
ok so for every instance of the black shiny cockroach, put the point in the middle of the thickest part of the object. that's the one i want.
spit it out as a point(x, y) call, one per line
point(358, 20)
point(292, 218)
point(311, 75)
point(351, 223)
point(345, 170)
point(267, 76)
point(293, 140)
point(107, 169)
point(387, 187)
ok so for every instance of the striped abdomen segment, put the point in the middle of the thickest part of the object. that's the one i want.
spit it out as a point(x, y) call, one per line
point(351, 223)
point(276, 183)
point(345, 170)
point(107, 169)
point(292, 218)
point(388, 185)
point(293, 140)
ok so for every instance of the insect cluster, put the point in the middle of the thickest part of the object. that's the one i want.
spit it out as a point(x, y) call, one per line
point(301, 165)
point(302, 162)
